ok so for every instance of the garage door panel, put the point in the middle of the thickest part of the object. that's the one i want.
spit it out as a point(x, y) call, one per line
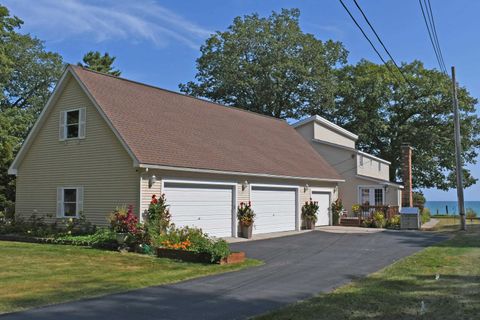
point(208, 207)
point(323, 213)
point(274, 209)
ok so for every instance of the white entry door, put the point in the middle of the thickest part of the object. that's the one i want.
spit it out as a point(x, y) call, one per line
point(275, 209)
point(204, 206)
point(323, 213)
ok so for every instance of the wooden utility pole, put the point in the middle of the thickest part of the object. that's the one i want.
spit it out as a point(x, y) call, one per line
point(458, 153)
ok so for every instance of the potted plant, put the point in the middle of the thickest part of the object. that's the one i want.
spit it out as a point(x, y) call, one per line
point(246, 217)
point(123, 222)
point(337, 208)
point(309, 214)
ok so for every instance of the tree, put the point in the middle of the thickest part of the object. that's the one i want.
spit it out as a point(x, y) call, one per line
point(269, 66)
point(27, 75)
point(385, 112)
point(94, 60)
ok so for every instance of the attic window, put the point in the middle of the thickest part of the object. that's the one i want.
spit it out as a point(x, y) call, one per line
point(72, 124)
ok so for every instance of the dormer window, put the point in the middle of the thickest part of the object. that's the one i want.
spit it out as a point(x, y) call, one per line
point(72, 124)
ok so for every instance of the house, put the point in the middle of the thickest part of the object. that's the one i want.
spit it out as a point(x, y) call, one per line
point(103, 141)
point(367, 178)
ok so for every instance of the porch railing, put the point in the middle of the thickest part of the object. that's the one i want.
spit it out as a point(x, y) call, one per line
point(367, 211)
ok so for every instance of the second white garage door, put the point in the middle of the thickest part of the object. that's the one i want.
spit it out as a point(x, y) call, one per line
point(274, 209)
point(208, 207)
point(323, 213)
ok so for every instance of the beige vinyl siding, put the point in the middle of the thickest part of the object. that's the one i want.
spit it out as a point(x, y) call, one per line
point(372, 167)
point(326, 134)
point(99, 163)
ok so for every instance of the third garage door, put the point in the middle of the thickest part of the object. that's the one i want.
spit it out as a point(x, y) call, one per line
point(274, 209)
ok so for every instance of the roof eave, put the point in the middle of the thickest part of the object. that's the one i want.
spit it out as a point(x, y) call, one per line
point(263, 175)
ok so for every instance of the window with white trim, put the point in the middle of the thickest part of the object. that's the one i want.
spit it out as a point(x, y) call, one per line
point(72, 124)
point(374, 196)
point(69, 202)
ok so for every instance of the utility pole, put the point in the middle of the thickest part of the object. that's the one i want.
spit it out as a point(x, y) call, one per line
point(458, 153)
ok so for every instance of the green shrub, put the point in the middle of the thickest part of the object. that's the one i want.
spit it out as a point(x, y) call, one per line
point(471, 214)
point(158, 215)
point(378, 219)
point(102, 238)
point(192, 239)
point(393, 222)
point(425, 215)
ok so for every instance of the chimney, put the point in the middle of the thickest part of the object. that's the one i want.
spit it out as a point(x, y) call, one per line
point(407, 195)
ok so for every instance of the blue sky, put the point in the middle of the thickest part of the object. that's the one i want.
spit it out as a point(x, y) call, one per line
point(157, 42)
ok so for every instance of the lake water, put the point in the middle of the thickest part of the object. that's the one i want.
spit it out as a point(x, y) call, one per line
point(452, 206)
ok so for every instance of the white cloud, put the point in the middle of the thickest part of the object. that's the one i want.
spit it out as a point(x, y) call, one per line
point(108, 20)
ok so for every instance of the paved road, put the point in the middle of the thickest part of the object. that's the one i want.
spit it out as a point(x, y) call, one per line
point(296, 267)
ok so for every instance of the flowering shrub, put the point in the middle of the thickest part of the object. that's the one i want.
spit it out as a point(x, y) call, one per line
point(245, 214)
point(158, 217)
point(309, 210)
point(184, 245)
point(123, 220)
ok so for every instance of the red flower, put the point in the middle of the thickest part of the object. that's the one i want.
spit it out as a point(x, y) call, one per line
point(154, 200)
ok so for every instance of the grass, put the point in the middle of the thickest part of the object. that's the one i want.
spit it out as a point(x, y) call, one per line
point(408, 289)
point(452, 223)
point(33, 275)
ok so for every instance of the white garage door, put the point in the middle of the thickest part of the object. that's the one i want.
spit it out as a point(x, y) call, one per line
point(274, 209)
point(323, 212)
point(208, 207)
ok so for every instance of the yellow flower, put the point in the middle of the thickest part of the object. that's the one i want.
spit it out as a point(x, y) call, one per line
point(69, 232)
point(70, 220)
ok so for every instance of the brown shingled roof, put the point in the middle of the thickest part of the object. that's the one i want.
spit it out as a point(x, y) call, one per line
point(171, 129)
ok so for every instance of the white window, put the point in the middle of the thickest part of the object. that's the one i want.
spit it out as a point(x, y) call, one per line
point(72, 124)
point(69, 202)
point(373, 195)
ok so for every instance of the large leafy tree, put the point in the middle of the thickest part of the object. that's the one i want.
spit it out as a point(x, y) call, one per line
point(95, 61)
point(386, 111)
point(27, 75)
point(269, 66)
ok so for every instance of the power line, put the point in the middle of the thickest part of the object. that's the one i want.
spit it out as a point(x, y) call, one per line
point(436, 36)
point(380, 40)
point(431, 35)
point(368, 39)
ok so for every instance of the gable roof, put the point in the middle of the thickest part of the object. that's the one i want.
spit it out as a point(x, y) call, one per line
point(168, 129)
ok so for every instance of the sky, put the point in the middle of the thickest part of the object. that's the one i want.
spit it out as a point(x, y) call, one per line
point(157, 42)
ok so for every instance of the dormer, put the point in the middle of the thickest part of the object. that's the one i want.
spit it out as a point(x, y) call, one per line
point(320, 129)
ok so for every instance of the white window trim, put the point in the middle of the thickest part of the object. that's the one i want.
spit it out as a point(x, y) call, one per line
point(80, 123)
point(371, 196)
point(78, 202)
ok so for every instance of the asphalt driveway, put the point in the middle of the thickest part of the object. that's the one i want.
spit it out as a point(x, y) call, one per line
point(296, 267)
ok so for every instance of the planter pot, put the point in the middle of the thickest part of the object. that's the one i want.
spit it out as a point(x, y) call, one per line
point(189, 256)
point(121, 237)
point(234, 257)
point(246, 231)
point(310, 224)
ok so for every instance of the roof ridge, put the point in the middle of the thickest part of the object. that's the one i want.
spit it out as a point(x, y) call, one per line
point(177, 93)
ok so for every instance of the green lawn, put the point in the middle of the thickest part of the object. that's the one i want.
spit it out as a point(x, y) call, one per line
point(37, 274)
point(408, 288)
